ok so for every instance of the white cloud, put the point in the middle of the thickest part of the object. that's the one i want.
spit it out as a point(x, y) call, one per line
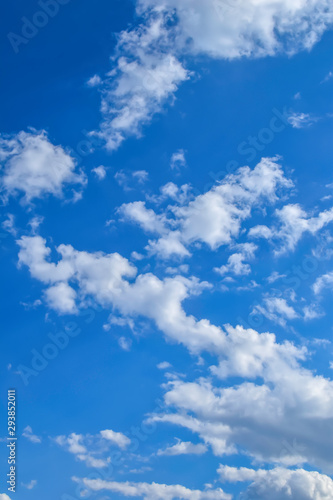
point(32, 165)
point(281, 413)
point(155, 491)
point(312, 312)
point(164, 365)
point(29, 486)
point(145, 76)
point(116, 438)
point(28, 434)
point(275, 276)
point(294, 223)
point(301, 120)
point(183, 448)
point(247, 27)
point(125, 344)
point(276, 309)
point(328, 77)
point(324, 281)
point(90, 449)
point(9, 225)
point(236, 262)
point(100, 172)
point(3, 496)
point(131, 180)
point(178, 160)
point(147, 219)
point(280, 484)
point(148, 61)
point(94, 81)
point(214, 218)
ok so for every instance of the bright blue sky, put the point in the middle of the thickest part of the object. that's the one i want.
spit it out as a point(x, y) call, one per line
point(252, 249)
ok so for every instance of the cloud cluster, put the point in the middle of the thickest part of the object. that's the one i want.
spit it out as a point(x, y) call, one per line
point(232, 29)
point(90, 449)
point(280, 484)
point(294, 221)
point(31, 165)
point(148, 62)
point(214, 218)
point(155, 491)
point(279, 412)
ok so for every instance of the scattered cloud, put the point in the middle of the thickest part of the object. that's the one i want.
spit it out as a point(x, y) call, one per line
point(31, 165)
point(278, 484)
point(236, 263)
point(28, 434)
point(178, 160)
point(294, 222)
point(214, 218)
point(183, 448)
point(100, 172)
point(30, 486)
point(301, 120)
point(164, 365)
point(154, 491)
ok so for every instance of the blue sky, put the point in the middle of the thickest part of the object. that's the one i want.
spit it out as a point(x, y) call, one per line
point(166, 242)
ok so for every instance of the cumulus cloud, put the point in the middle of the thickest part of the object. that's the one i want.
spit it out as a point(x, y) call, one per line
point(3, 496)
point(237, 262)
point(31, 165)
point(214, 218)
point(104, 278)
point(148, 64)
point(276, 309)
point(324, 281)
point(246, 27)
point(100, 172)
point(183, 448)
point(116, 438)
point(145, 76)
point(154, 491)
point(294, 222)
point(279, 413)
point(280, 484)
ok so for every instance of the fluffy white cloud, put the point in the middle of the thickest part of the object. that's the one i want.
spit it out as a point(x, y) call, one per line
point(324, 281)
point(276, 309)
point(116, 438)
point(103, 278)
point(3, 496)
point(148, 62)
point(214, 218)
point(237, 262)
point(32, 165)
point(280, 484)
point(100, 172)
point(145, 76)
point(183, 448)
point(281, 413)
point(293, 223)
point(231, 29)
point(279, 401)
point(155, 491)
point(147, 219)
